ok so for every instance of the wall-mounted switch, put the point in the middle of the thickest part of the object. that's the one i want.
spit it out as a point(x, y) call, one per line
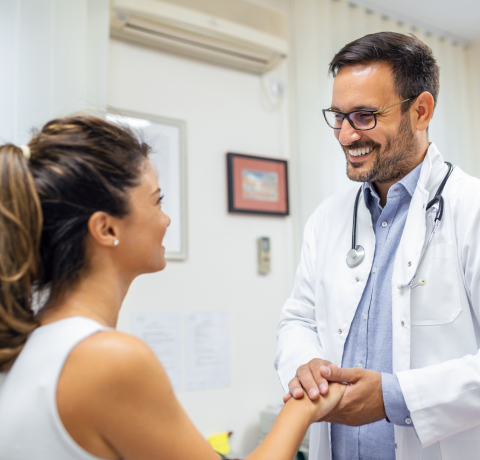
point(263, 255)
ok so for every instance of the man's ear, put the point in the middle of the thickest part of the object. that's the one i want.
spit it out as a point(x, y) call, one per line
point(423, 110)
point(103, 228)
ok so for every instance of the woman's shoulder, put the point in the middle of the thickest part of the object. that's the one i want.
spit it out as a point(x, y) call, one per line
point(111, 356)
point(106, 377)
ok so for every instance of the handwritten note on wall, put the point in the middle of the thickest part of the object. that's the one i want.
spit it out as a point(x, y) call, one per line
point(193, 349)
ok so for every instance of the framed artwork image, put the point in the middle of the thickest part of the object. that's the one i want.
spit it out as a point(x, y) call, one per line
point(257, 185)
point(167, 139)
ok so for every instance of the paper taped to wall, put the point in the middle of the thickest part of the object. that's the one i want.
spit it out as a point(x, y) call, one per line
point(207, 357)
point(161, 331)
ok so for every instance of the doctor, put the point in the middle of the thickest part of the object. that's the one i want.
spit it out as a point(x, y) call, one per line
point(409, 350)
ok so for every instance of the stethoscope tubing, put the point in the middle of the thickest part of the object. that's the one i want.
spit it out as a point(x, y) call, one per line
point(354, 226)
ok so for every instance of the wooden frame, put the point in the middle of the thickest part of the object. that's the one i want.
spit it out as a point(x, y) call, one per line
point(257, 185)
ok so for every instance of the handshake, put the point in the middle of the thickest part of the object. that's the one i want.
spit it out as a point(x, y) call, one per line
point(362, 401)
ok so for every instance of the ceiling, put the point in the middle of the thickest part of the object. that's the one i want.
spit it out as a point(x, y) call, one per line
point(457, 19)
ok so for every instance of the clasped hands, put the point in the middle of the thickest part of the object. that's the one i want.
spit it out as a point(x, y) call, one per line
point(362, 401)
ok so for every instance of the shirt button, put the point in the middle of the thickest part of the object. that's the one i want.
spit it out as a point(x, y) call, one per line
point(384, 224)
point(365, 317)
point(396, 446)
point(409, 264)
point(357, 279)
point(339, 331)
point(360, 365)
point(374, 270)
point(408, 421)
point(403, 323)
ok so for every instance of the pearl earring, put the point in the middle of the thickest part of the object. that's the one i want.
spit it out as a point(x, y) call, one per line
point(115, 243)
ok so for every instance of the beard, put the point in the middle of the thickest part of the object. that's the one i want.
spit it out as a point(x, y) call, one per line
point(392, 162)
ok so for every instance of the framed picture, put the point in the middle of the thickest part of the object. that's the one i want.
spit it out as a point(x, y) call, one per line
point(257, 185)
point(167, 138)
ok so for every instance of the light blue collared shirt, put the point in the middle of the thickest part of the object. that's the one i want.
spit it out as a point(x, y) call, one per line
point(369, 342)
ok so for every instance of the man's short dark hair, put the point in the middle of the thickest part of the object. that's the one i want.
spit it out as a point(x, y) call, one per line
point(413, 66)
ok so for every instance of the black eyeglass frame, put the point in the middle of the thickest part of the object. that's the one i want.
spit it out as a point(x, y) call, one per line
point(372, 112)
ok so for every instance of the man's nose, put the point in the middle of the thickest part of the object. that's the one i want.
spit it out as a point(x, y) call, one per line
point(348, 134)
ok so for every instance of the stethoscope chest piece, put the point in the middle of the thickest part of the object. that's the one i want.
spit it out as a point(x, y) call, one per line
point(355, 256)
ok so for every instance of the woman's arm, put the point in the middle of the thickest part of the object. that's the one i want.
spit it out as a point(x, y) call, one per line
point(115, 400)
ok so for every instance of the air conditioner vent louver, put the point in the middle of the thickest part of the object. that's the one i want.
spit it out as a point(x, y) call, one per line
point(193, 33)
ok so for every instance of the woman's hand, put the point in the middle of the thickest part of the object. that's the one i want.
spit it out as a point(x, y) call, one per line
point(321, 406)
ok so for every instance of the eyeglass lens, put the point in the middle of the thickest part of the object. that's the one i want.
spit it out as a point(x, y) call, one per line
point(360, 120)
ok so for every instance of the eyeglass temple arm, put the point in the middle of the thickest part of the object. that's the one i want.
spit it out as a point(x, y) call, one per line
point(401, 102)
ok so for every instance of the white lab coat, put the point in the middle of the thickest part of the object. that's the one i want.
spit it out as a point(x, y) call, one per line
point(436, 332)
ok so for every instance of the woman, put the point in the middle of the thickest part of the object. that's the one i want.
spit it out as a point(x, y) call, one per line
point(80, 218)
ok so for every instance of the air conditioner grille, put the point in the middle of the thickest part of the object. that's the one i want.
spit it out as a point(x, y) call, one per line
point(196, 44)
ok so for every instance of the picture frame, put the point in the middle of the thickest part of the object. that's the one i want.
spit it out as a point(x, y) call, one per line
point(257, 185)
point(167, 138)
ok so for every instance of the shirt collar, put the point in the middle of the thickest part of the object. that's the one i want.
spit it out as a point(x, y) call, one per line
point(409, 183)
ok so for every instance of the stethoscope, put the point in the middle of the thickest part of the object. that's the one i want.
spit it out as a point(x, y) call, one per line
point(356, 255)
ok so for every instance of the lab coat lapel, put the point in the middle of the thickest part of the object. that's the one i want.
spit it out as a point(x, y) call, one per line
point(409, 253)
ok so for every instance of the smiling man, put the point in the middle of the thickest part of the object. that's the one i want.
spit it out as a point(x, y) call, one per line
point(393, 313)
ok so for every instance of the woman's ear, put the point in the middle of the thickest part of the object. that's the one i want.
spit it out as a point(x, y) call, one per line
point(423, 109)
point(104, 229)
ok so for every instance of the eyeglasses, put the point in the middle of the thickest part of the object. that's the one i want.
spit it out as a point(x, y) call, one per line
point(363, 120)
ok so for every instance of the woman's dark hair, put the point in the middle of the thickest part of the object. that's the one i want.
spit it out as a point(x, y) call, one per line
point(77, 166)
point(413, 66)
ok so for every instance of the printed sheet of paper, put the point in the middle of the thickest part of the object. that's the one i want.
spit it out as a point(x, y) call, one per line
point(161, 331)
point(207, 350)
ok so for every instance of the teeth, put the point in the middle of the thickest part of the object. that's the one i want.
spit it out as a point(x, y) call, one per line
point(360, 152)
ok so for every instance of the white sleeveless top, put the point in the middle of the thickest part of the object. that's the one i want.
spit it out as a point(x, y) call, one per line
point(30, 427)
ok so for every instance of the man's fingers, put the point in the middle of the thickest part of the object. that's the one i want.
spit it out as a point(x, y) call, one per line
point(305, 376)
point(334, 373)
point(322, 383)
point(295, 388)
point(287, 397)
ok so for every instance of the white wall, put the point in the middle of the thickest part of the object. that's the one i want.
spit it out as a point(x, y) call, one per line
point(54, 62)
point(224, 112)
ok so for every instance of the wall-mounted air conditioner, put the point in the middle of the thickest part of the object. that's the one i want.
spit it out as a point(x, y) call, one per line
point(234, 33)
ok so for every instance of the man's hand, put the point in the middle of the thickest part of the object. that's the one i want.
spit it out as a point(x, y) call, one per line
point(362, 401)
point(308, 378)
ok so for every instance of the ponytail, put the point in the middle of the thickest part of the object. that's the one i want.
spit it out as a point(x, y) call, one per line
point(20, 231)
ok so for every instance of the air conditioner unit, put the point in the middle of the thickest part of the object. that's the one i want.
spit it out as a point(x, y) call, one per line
point(234, 33)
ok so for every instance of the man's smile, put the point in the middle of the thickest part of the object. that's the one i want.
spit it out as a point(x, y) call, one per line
point(358, 155)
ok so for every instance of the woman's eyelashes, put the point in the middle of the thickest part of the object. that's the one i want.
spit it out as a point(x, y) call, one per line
point(160, 199)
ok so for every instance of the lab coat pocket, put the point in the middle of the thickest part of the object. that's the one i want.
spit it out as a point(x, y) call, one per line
point(437, 301)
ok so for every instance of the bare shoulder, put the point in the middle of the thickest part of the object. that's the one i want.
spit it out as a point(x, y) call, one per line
point(113, 357)
point(109, 384)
